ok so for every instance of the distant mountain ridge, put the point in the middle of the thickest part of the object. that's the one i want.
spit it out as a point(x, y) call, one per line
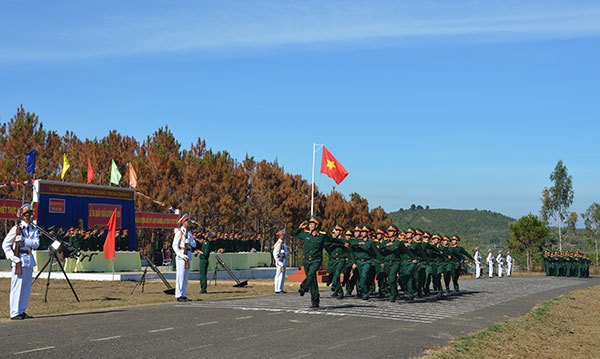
point(474, 227)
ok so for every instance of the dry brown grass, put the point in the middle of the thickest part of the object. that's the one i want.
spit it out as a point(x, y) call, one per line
point(96, 295)
point(564, 327)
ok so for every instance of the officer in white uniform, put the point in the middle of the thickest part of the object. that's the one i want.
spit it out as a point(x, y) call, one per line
point(20, 284)
point(477, 258)
point(509, 263)
point(500, 262)
point(182, 245)
point(280, 251)
point(490, 263)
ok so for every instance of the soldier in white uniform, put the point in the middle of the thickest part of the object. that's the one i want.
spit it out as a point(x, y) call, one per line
point(182, 245)
point(477, 258)
point(20, 284)
point(500, 261)
point(509, 263)
point(280, 251)
point(490, 263)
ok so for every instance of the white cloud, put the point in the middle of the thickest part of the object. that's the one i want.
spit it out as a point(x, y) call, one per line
point(70, 32)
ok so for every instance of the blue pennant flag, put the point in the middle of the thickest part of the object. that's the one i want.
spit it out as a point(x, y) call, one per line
point(31, 161)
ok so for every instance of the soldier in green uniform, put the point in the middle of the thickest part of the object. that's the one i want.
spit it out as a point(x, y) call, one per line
point(313, 242)
point(409, 264)
point(203, 253)
point(434, 257)
point(351, 271)
point(437, 265)
point(365, 251)
point(338, 255)
point(125, 240)
point(393, 251)
point(546, 257)
point(380, 236)
point(447, 266)
point(463, 256)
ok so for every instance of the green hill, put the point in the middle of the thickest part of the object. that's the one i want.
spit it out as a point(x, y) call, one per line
point(474, 227)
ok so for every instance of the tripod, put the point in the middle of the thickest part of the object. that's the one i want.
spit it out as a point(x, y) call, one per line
point(54, 256)
point(170, 290)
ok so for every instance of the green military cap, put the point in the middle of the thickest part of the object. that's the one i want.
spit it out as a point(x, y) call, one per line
point(349, 233)
point(455, 238)
point(315, 219)
point(410, 230)
point(381, 230)
point(392, 228)
point(366, 228)
point(338, 227)
point(419, 232)
point(358, 227)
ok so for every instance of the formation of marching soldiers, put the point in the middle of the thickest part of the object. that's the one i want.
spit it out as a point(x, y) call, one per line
point(413, 260)
point(90, 240)
point(567, 264)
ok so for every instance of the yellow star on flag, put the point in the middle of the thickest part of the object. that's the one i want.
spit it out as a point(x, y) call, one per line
point(330, 164)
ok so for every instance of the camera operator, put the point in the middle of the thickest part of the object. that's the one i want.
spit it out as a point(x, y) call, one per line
point(23, 237)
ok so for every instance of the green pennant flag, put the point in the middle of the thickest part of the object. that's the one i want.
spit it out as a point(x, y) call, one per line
point(115, 175)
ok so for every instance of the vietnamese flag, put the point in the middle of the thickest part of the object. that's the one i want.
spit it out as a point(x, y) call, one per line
point(332, 167)
point(90, 173)
point(109, 243)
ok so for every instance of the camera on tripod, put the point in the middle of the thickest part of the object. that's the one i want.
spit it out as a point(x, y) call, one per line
point(61, 246)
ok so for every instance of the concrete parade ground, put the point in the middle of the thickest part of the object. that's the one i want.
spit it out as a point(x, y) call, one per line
point(282, 325)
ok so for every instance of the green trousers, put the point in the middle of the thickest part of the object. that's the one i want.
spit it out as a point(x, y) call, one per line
point(202, 271)
point(350, 277)
point(310, 282)
point(381, 277)
point(408, 276)
point(335, 269)
point(364, 274)
point(393, 269)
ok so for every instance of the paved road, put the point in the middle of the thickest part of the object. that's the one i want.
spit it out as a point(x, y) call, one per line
point(282, 325)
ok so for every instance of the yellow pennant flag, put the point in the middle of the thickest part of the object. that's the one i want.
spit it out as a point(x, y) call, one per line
point(65, 166)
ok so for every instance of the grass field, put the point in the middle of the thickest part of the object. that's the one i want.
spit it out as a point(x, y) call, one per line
point(565, 327)
point(106, 294)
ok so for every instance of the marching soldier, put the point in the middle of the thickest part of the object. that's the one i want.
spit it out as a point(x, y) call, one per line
point(338, 256)
point(393, 253)
point(313, 242)
point(364, 252)
point(380, 236)
point(182, 244)
point(17, 246)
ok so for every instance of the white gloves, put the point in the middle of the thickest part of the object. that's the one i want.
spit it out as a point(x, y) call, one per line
point(183, 256)
point(15, 259)
point(19, 238)
point(186, 241)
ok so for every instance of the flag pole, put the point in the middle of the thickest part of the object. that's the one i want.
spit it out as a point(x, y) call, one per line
point(312, 192)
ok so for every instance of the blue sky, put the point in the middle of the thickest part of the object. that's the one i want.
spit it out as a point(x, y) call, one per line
point(462, 104)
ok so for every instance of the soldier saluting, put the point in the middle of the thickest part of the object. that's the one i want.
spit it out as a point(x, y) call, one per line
point(313, 242)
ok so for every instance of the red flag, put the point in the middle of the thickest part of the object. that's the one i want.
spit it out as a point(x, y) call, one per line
point(132, 176)
point(332, 167)
point(109, 243)
point(90, 171)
